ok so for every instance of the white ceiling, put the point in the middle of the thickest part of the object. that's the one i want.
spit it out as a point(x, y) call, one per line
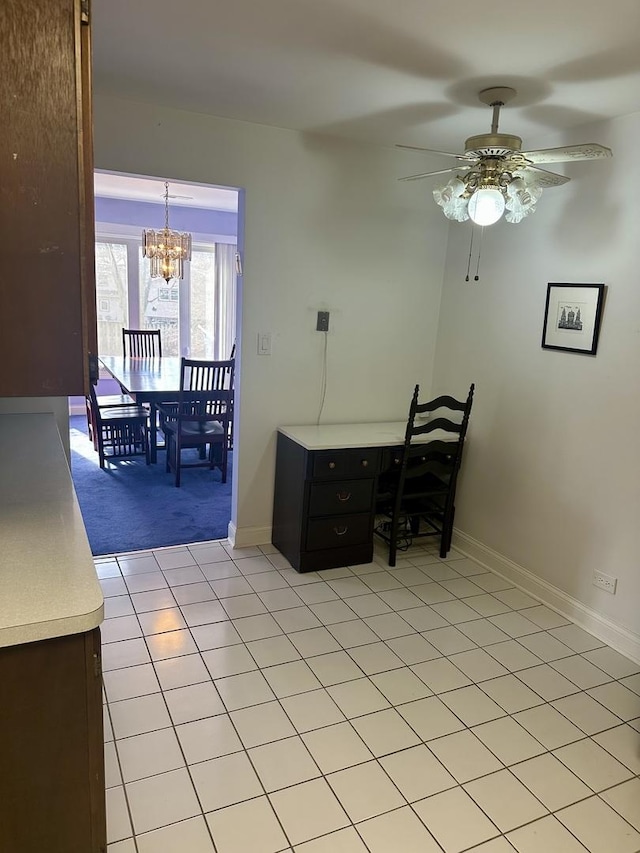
point(134, 188)
point(406, 71)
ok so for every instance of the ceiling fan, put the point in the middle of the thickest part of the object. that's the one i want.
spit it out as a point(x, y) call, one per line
point(494, 176)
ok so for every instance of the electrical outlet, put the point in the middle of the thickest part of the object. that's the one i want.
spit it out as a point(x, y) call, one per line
point(323, 321)
point(605, 582)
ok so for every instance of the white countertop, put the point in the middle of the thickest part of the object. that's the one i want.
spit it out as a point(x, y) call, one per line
point(344, 436)
point(48, 582)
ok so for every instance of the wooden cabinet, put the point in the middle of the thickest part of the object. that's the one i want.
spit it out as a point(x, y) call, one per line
point(324, 505)
point(51, 746)
point(47, 279)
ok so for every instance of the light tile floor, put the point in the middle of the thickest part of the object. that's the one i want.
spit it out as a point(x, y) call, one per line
point(430, 707)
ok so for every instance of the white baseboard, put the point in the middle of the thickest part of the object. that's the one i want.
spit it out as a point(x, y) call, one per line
point(242, 537)
point(618, 637)
point(614, 635)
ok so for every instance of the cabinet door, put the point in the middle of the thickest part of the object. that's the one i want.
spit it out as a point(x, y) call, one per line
point(52, 795)
point(47, 289)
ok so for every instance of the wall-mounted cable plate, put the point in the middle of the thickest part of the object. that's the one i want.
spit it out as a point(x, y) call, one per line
point(322, 324)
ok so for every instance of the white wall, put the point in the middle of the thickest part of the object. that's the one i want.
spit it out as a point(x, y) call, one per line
point(327, 227)
point(551, 479)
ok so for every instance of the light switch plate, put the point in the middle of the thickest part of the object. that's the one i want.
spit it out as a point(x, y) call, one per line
point(264, 343)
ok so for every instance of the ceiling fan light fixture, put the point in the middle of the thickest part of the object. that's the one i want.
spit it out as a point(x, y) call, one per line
point(452, 200)
point(486, 205)
point(521, 199)
point(500, 177)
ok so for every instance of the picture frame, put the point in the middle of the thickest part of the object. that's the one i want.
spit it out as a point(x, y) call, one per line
point(572, 317)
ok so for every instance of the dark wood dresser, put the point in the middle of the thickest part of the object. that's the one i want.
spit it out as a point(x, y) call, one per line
point(325, 491)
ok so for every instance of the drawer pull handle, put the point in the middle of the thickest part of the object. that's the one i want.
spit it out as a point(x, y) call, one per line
point(332, 465)
point(340, 531)
point(365, 463)
point(343, 497)
point(397, 460)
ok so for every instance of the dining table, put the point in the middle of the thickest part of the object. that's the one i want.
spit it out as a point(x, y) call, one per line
point(147, 380)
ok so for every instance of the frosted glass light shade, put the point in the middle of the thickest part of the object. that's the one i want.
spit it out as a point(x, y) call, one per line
point(486, 206)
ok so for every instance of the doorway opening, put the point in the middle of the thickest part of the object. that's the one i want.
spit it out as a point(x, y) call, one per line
point(196, 317)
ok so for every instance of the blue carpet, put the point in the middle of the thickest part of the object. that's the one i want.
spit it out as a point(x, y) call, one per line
point(131, 506)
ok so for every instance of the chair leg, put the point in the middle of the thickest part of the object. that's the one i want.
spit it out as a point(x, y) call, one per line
point(447, 531)
point(393, 539)
point(168, 450)
point(92, 429)
point(98, 434)
point(223, 467)
point(178, 456)
point(220, 462)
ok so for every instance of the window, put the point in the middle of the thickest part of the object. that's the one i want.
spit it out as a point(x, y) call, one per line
point(111, 295)
point(202, 305)
point(196, 314)
point(159, 306)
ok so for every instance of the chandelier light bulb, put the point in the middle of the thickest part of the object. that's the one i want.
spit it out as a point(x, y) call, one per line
point(486, 205)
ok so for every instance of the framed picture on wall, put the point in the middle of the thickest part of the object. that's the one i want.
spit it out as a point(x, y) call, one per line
point(572, 317)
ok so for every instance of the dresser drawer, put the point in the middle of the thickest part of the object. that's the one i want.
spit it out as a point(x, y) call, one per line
point(338, 531)
point(346, 496)
point(341, 464)
point(391, 459)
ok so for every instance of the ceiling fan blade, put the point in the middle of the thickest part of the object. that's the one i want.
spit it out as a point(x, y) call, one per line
point(439, 172)
point(544, 179)
point(463, 157)
point(567, 153)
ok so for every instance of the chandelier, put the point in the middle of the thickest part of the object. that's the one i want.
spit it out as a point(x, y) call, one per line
point(167, 250)
point(487, 192)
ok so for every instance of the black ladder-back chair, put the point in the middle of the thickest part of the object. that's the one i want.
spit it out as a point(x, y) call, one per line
point(201, 416)
point(141, 343)
point(118, 431)
point(419, 499)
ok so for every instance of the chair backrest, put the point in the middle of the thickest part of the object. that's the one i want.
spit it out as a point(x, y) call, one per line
point(198, 375)
point(206, 390)
point(440, 458)
point(141, 343)
point(92, 400)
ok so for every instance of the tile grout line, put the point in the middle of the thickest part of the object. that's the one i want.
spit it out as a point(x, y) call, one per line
point(414, 632)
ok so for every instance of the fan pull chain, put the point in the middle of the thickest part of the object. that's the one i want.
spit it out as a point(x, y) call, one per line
point(477, 275)
point(473, 228)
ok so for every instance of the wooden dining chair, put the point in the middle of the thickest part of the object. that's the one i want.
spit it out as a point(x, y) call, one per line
point(232, 357)
point(200, 418)
point(141, 343)
point(416, 495)
point(104, 401)
point(118, 431)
